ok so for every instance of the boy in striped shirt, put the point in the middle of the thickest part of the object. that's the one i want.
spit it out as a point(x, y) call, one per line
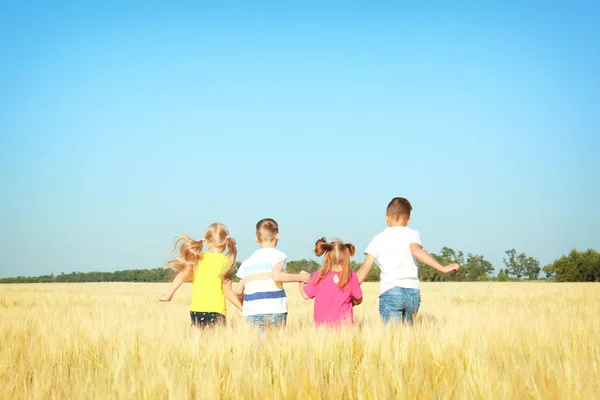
point(261, 277)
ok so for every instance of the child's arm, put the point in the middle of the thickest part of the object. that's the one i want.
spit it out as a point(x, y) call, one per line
point(308, 290)
point(239, 290)
point(355, 290)
point(231, 295)
point(302, 292)
point(423, 256)
point(364, 269)
point(181, 277)
point(280, 276)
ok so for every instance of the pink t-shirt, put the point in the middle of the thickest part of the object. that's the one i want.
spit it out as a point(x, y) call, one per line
point(333, 305)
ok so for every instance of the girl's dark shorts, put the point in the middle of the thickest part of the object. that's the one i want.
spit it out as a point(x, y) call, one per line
point(207, 319)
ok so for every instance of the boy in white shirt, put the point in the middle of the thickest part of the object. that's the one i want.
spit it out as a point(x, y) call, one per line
point(396, 250)
point(261, 274)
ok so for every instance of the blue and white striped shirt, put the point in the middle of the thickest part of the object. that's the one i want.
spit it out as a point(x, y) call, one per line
point(262, 295)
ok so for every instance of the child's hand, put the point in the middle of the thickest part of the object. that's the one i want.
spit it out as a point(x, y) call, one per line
point(165, 297)
point(451, 268)
point(305, 276)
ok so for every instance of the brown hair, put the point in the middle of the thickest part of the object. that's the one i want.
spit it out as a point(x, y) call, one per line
point(399, 207)
point(336, 253)
point(190, 250)
point(266, 230)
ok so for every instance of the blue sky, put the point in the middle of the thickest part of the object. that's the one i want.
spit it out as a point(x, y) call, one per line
point(122, 125)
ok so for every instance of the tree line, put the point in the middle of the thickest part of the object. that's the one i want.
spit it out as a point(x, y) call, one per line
point(577, 266)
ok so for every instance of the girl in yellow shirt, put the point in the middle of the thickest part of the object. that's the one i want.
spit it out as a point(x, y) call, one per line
point(210, 273)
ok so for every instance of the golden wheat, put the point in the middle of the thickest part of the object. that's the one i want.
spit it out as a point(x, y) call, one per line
point(471, 340)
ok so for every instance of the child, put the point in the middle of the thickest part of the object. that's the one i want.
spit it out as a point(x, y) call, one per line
point(335, 286)
point(210, 273)
point(395, 250)
point(261, 275)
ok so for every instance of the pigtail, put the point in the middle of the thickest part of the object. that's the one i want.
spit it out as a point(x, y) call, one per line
point(348, 251)
point(321, 247)
point(190, 253)
point(351, 249)
point(231, 256)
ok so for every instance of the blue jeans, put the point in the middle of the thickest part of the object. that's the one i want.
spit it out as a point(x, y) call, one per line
point(399, 304)
point(264, 321)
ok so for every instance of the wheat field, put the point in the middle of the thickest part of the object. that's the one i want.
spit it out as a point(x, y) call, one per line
point(470, 341)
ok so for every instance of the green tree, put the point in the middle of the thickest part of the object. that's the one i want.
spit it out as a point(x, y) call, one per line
point(512, 265)
point(477, 268)
point(531, 266)
point(372, 276)
point(309, 266)
point(446, 256)
point(521, 265)
point(502, 277)
point(577, 266)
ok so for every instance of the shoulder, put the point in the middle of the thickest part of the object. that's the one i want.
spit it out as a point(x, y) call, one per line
point(380, 236)
point(275, 253)
point(252, 256)
point(413, 234)
point(412, 231)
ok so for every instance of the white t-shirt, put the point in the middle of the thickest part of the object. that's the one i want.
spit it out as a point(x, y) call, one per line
point(262, 295)
point(391, 248)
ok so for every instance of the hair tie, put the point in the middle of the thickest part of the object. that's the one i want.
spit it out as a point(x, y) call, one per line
point(227, 237)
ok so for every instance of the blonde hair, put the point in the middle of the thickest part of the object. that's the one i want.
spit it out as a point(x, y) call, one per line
point(336, 253)
point(190, 250)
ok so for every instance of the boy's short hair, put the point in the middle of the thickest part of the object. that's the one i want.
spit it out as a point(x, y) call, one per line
point(399, 207)
point(266, 229)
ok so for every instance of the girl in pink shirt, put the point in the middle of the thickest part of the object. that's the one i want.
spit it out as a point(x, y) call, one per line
point(335, 286)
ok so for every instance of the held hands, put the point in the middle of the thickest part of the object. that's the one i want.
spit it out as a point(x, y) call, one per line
point(451, 268)
point(165, 297)
point(305, 276)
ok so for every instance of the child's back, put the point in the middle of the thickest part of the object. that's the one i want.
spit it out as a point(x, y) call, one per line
point(396, 250)
point(262, 295)
point(261, 275)
point(335, 286)
point(391, 248)
point(210, 272)
point(207, 288)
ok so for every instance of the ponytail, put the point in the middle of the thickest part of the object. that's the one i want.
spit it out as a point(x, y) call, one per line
point(231, 256)
point(190, 252)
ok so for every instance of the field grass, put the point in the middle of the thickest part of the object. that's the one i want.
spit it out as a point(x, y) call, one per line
point(471, 340)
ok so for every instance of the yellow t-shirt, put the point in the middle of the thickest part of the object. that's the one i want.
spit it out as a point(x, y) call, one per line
point(207, 287)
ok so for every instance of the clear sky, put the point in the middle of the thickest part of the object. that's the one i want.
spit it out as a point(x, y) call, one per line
point(122, 125)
